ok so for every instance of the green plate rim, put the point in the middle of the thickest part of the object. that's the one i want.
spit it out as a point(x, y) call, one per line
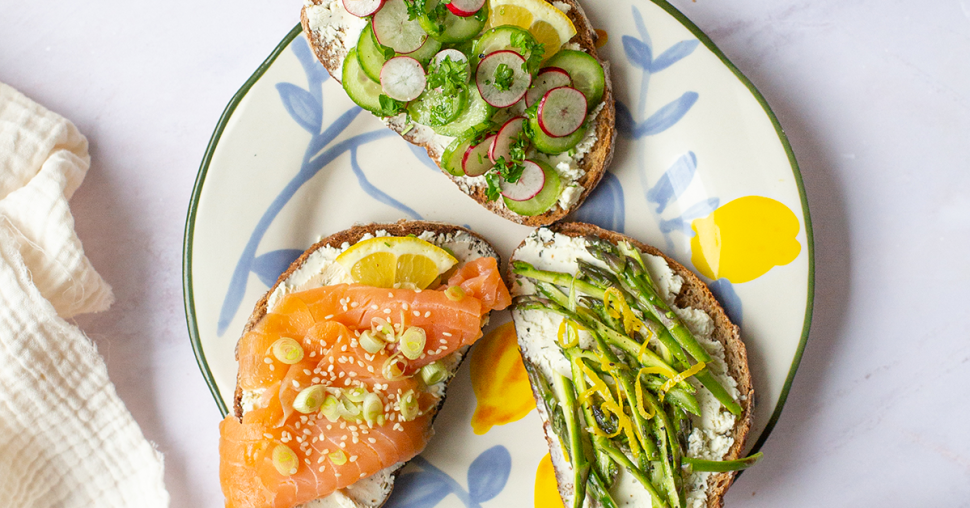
point(189, 297)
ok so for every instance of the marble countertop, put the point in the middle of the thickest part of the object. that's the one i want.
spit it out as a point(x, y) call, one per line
point(874, 96)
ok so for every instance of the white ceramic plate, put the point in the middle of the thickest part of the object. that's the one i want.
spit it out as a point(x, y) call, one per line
point(293, 159)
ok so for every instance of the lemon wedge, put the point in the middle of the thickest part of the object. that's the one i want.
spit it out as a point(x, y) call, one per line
point(396, 262)
point(547, 24)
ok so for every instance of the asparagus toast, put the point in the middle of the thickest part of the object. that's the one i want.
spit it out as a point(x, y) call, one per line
point(640, 378)
point(518, 114)
point(346, 360)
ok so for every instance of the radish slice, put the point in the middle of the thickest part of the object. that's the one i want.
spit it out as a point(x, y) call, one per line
point(465, 8)
point(532, 181)
point(498, 92)
point(393, 29)
point(503, 140)
point(562, 111)
point(547, 79)
point(403, 79)
point(455, 56)
point(361, 8)
point(476, 162)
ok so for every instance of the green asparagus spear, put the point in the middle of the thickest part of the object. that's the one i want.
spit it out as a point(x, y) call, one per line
point(720, 466)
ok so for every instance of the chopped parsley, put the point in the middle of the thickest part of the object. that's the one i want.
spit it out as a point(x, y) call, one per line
point(391, 107)
point(436, 15)
point(510, 169)
point(529, 48)
point(503, 78)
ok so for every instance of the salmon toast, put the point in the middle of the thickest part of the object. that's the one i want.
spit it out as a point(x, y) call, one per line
point(345, 363)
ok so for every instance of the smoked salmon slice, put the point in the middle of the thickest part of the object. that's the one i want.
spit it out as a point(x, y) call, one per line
point(357, 399)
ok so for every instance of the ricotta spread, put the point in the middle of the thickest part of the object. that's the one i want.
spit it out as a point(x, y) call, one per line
point(711, 437)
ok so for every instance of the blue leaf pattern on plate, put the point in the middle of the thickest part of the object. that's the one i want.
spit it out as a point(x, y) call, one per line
point(673, 55)
point(674, 181)
point(724, 292)
point(661, 120)
point(487, 477)
point(271, 265)
point(421, 489)
point(638, 52)
point(320, 152)
point(682, 223)
point(302, 106)
point(422, 156)
point(489, 473)
point(376, 193)
point(605, 206)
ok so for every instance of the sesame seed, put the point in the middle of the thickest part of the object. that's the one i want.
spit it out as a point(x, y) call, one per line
point(371, 440)
point(374, 307)
point(404, 305)
point(315, 380)
point(267, 360)
point(321, 467)
point(343, 445)
point(321, 459)
point(427, 314)
point(307, 461)
point(443, 341)
point(328, 317)
point(272, 367)
point(296, 384)
point(363, 475)
point(390, 294)
point(268, 436)
point(354, 305)
point(353, 458)
point(307, 372)
point(446, 334)
point(417, 314)
point(387, 311)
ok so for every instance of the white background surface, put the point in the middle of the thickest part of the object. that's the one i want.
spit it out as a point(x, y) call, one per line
point(874, 95)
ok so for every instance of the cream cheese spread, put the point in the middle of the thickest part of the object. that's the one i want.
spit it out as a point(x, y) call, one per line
point(711, 437)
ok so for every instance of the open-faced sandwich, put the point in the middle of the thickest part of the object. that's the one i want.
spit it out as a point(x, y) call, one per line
point(345, 362)
point(508, 97)
point(640, 378)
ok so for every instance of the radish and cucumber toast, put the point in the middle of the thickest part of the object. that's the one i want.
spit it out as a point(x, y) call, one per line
point(640, 379)
point(345, 363)
point(508, 97)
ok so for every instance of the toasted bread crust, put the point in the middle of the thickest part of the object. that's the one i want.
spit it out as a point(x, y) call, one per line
point(694, 293)
point(594, 163)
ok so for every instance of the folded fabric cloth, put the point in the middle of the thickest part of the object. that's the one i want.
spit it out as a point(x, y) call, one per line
point(66, 439)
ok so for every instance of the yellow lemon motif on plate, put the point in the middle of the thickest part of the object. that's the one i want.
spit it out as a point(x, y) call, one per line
point(745, 238)
point(547, 490)
point(500, 381)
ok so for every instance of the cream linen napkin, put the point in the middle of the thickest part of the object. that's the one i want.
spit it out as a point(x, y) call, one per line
point(66, 439)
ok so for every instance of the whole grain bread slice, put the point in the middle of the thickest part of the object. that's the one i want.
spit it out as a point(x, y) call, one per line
point(594, 163)
point(694, 294)
point(376, 494)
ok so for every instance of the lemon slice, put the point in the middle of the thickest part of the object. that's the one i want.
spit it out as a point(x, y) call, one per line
point(547, 24)
point(396, 262)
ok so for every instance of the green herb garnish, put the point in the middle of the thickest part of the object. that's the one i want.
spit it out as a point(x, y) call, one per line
point(503, 78)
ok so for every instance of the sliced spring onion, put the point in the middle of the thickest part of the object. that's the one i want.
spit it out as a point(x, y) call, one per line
point(408, 406)
point(373, 407)
point(455, 293)
point(433, 373)
point(371, 342)
point(330, 409)
point(699, 366)
point(287, 350)
point(285, 460)
point(355, 394)
point(412, 342)
point(310, 399)
point(348, 409)
point(338, 458)
point(394, 367)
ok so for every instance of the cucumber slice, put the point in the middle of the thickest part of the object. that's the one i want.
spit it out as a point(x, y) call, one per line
point(449, 28)
point(436, 109)
point(477, 113)
point(544, 200)
point(586, 72)
point(370, 53)
point(499, 39)
point(451, 160)
point(358, 85)
point(426, 52)
point(550, 145)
